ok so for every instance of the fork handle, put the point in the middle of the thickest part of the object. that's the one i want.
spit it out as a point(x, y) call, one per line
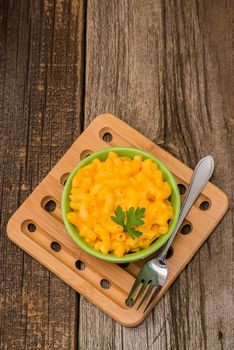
point(200, 177)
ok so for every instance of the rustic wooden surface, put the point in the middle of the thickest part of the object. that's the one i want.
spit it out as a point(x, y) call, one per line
point(165, 67)
point(41, 79)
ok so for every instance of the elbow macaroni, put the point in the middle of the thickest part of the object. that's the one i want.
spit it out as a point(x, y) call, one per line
point(97, 190)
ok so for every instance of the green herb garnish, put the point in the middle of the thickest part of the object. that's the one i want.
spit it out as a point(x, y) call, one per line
point(129, 220)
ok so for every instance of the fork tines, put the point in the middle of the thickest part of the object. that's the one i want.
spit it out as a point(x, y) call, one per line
point(151, 288)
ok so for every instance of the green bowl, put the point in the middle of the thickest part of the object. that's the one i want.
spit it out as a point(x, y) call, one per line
point(130, 257)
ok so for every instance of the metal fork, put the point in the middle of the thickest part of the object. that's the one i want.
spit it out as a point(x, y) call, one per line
point(153, 274)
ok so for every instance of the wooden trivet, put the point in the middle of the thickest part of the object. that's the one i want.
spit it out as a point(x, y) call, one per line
point(38, 229)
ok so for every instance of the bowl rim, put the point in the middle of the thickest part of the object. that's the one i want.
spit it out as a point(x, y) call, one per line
point(129, 257)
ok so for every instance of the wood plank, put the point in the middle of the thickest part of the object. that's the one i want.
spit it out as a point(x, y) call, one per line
point(41, 70)
point(166, 68)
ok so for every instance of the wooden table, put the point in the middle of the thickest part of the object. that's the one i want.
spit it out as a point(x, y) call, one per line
point(166, 68)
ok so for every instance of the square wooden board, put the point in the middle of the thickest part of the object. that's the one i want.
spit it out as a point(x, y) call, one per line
point(38, 229)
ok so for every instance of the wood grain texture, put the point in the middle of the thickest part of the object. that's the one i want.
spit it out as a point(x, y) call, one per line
point(165, 67)
point(41, 114)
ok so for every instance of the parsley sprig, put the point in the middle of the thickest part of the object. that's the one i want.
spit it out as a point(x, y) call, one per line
point(129, 220)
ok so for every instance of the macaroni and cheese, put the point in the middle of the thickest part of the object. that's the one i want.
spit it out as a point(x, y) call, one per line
point(100, 187)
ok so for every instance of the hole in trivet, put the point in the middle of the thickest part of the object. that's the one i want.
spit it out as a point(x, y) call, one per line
point(124, 265)
point(31, 227)
point(182, 189)
point(85, 153)
point(55, 246)
point(64, 178)
point(105, 284)
point(169, 253)
point(203, 202)
point(80, 265)
point(130, 304)
point(204, 205)
point(106, 136)
point(187, 228)
point(49, 205)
